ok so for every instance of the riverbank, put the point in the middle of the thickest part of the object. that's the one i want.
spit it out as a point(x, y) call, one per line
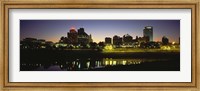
point(133, 50)
point(94, 60)
point(74, 54)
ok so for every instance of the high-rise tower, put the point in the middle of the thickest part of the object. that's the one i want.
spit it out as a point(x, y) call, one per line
point(148, 32)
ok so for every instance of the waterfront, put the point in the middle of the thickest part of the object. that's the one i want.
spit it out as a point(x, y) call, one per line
point(94, 60)
point(100, 45)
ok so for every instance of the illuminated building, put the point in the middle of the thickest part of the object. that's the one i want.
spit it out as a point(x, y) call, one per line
point(49, 44)
point(64, 40)
point(72, 36)
point(108, 40)
point(30, 43)
point(165, 40)
point(41, 41)
point(83, 37)
point(117, 40)
point(127, 39)
point(148, 32)
point(33, 43)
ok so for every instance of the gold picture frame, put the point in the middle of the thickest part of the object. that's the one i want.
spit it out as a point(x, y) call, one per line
point(154, 86)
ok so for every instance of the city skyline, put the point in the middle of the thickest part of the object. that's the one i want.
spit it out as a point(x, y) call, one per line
point(52, 30)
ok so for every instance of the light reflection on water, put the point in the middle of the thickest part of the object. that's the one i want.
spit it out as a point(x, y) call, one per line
point(86, 64)
point(112, 62)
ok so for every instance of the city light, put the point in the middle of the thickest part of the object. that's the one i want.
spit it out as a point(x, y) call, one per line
point(108, 47)
point(124, 62)
point(165, 48)
point(77, 49)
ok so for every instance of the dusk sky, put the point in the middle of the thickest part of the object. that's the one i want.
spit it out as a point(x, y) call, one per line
point(52, 30)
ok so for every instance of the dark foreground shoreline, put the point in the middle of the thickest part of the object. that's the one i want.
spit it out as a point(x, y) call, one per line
point(60, 57)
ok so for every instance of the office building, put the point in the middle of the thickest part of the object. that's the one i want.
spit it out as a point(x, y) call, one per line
point(72, 36)
point(127, 39)
point(117, 40)
point(148, 33)
point(83, 37)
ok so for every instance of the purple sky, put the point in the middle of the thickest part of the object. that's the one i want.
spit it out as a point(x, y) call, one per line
point(52, 30)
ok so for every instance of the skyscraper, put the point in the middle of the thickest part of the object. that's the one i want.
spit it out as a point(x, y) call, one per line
point(83, 37)
point(72, 36)
point(148, 32)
